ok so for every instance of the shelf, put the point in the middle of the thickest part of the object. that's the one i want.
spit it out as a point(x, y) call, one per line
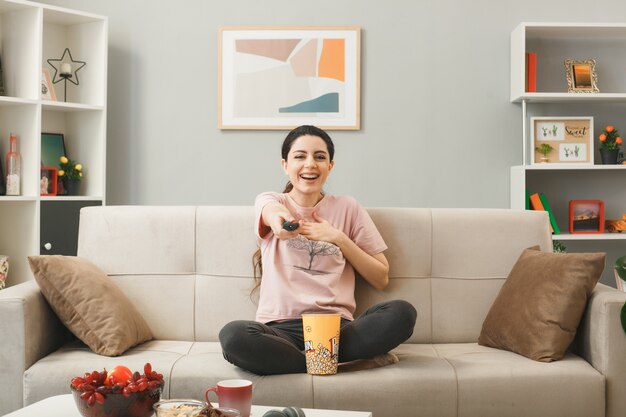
point(550, 167)
point(72, 198)
point(570, 97)
point(16, 101)
point(557, 30)
point(590, 236)
point(67, 107)
point(22, 198)
point(30, 34)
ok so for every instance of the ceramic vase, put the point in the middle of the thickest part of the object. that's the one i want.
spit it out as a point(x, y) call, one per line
point(609, 156)
point(72, 187)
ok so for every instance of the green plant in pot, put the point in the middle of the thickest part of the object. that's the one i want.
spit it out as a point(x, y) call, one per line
point(620, 270)
point(71, 173)
point(610, 142)
point(544, 149)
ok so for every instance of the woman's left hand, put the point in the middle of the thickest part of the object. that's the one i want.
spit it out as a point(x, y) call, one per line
point(321, 229)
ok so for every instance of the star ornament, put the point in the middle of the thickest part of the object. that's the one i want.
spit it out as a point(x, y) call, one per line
point(66, 69)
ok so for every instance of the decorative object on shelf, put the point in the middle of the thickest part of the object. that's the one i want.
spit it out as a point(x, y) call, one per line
point(13, 162)
point(610, 142)
point(581, 76)
point(544, 150)
point(586, 216)
point(67, 70)
point(618, 226)
point(71, 173)
point(570, 136)
point(48, 182)
point(47, 90)
point(282, 77)
point(4, 270)
point(53, 148)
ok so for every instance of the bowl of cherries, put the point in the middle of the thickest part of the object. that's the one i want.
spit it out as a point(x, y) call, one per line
point(118, 392)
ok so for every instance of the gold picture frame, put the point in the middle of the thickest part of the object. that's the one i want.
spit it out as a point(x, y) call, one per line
point(581, 76)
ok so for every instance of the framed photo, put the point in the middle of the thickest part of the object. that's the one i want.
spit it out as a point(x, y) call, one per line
point(48, 181)
point(586, 216)
point(282, 77)
point(52, 148)
point(581, 76)
point(47, 90)
point(561, 140)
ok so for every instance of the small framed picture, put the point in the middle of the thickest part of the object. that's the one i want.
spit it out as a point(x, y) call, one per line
point(586, 216)
point(47, 90)
point(561, 140)
point(581, 76)
point(48, 181)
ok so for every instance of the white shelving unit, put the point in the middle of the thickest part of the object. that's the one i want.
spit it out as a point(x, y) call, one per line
point(30, 34)
point(554, 43)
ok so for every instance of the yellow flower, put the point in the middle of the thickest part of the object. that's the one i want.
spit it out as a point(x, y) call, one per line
point(80, 174)
point(61, 172)
point(78, 167)
point(63, 160)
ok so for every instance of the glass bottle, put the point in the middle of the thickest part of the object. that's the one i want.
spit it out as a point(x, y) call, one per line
point(13, 167)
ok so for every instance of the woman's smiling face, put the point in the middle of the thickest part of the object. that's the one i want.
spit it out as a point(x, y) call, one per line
point(308, 165)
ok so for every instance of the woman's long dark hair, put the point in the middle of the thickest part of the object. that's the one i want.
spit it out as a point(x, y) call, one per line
point(292, 136)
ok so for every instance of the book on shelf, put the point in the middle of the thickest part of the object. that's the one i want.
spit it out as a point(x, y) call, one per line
point(531, 72)
point(539, 201)
point(547, 207)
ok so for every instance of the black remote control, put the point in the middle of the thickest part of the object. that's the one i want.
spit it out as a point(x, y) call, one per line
point(290, 226)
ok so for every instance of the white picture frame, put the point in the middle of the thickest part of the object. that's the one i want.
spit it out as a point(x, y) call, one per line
point(571, 140)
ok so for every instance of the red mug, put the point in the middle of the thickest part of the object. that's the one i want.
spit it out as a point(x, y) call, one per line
point(233, 393)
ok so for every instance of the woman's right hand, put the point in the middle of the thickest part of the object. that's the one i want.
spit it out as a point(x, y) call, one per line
point(274, 215)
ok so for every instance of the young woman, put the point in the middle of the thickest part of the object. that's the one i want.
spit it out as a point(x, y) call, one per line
point(312, 269)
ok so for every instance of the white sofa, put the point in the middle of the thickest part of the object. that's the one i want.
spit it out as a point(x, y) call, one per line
point(188, 271)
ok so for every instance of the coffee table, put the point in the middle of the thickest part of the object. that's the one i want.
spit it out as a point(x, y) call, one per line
point(63, 406)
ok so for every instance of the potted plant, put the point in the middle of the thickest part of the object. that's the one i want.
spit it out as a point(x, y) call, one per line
point(610, 142)
point(71, 173)
point(544, 149)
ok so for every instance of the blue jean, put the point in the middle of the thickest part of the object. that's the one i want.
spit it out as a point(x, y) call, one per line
point(278, 347)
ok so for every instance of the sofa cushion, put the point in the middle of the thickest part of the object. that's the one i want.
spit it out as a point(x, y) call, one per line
point(89, 304)
point(539, 307)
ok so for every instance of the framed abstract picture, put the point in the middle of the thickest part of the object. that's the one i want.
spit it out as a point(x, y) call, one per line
point(281, 77)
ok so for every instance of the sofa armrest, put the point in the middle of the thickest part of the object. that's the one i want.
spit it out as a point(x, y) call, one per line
point(601, 341)
point(30, 330)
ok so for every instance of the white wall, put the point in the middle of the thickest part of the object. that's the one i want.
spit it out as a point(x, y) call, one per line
point(438, 129)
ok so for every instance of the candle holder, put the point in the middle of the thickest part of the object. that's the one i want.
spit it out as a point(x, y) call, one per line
point(66, 71)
